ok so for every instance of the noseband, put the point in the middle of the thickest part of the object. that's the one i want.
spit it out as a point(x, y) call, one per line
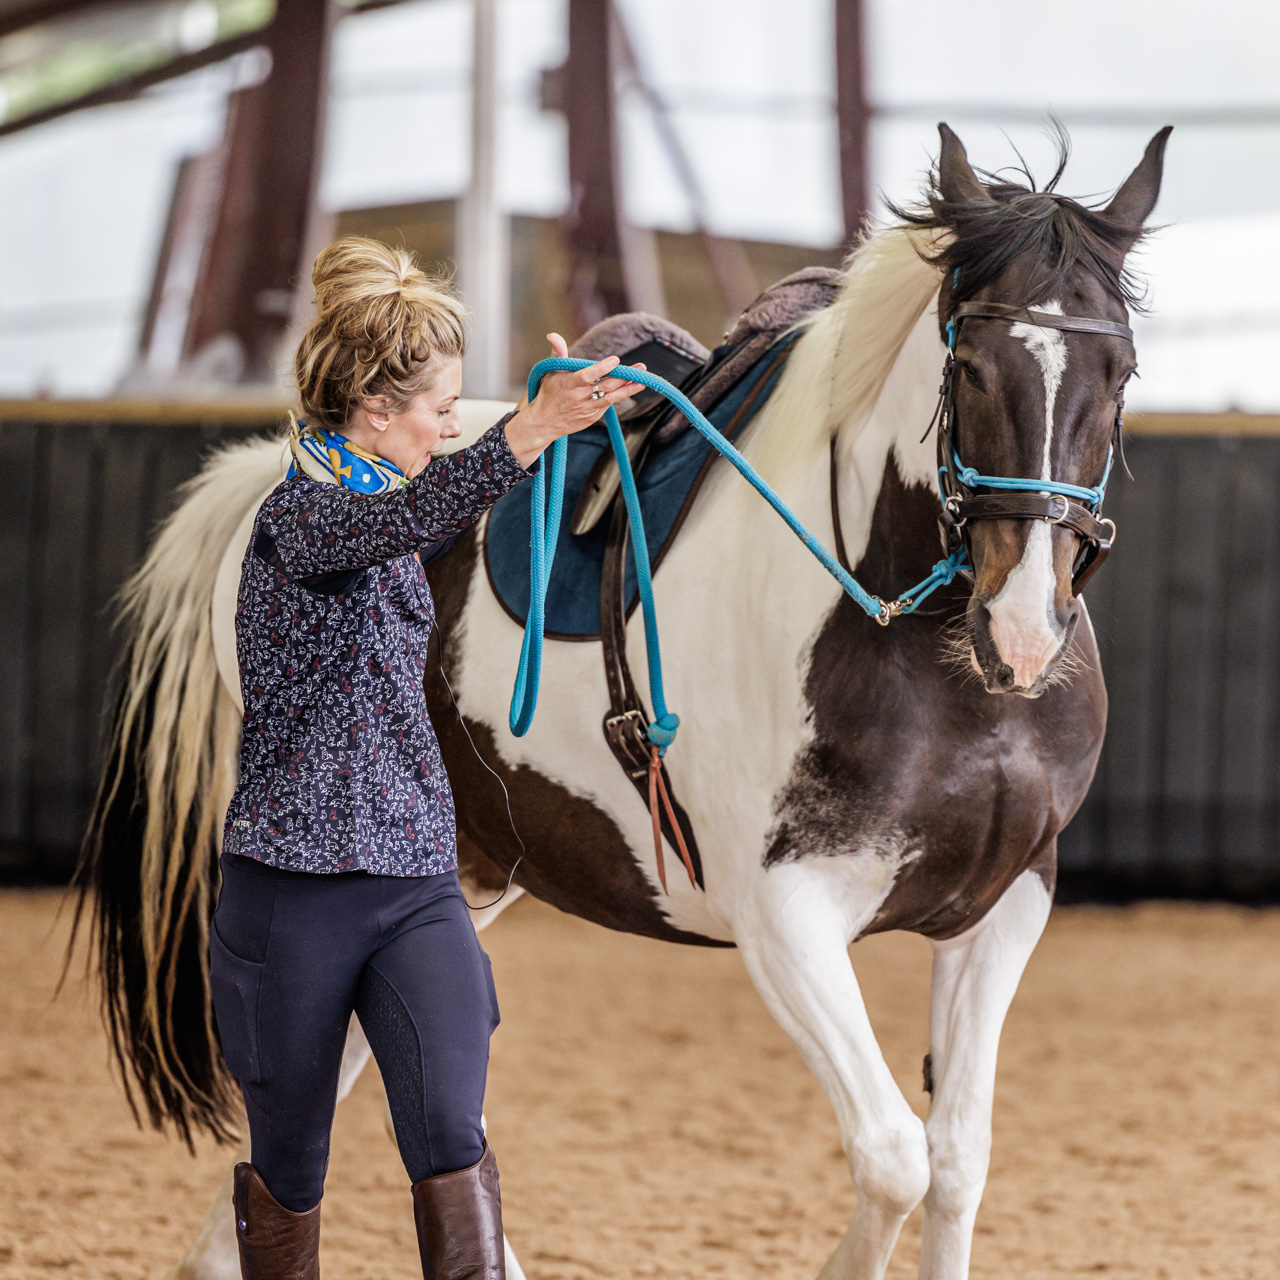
point(1072, 506)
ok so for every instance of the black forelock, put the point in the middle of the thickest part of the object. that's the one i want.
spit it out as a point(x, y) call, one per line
point(1051, 232)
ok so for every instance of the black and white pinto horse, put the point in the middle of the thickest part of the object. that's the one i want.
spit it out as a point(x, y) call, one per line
point(842, 778)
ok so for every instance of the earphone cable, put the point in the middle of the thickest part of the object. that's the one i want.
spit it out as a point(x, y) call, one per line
point(497, 777)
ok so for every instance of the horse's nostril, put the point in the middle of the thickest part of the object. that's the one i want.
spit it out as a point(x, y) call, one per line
point(1004, 676)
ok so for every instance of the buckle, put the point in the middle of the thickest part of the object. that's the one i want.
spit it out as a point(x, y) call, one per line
point(633, 715)
point(635, 745)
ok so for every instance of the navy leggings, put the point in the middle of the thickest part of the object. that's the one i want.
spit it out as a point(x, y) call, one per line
point(292, 955)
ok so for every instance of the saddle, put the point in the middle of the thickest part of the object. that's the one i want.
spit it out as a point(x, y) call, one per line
point(592, 588)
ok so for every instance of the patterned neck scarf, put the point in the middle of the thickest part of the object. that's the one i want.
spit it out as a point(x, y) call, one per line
point(332, 459)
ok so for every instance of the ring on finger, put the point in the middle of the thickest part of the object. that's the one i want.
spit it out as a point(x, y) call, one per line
point(597, 393)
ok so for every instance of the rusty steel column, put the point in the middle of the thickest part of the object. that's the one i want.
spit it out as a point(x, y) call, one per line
point(483, 230)
point(593, 223)
point(253, 262)
point(853, 114)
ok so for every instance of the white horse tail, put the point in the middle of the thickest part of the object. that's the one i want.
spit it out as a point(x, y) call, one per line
point(148, 872)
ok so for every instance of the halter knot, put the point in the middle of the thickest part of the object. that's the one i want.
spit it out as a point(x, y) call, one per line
point(662, 732)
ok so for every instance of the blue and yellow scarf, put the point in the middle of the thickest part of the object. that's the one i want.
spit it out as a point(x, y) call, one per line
point(332, 459)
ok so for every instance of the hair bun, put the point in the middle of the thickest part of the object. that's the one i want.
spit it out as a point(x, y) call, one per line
point(381, 323)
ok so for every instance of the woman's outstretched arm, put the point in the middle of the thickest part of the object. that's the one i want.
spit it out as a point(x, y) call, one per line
point(334, 529)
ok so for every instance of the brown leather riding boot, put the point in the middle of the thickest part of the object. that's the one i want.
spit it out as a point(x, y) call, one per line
point(459, 1221)
point(275, 1243)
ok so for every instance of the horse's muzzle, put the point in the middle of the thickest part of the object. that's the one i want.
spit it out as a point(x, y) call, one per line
point(1024, 662)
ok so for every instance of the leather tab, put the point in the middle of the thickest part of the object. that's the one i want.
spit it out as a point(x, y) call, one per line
point(275, 1243)
point(459, 1221)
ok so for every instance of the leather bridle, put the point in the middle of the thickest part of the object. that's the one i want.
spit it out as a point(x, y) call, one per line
point(968, 496)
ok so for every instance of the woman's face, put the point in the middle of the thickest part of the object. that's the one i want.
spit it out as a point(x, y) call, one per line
point(410, 438)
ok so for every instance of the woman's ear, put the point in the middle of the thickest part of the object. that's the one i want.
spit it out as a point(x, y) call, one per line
point(378, 415)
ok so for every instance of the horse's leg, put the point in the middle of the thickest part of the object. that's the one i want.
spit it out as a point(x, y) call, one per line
point(974, 978)
point(793, 933)
point(214, 1255)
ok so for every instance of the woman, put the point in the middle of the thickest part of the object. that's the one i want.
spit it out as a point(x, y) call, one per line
point(339, 883)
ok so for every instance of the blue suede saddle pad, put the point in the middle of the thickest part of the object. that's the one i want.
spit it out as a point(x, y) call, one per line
point(666, 485)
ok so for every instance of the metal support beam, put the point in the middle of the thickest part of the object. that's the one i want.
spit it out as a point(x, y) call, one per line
point(27, 13)
point(131, 86)
point(853, 113)
point(728, 260)
point(254, 261)
point(484, 234)
point(592, 223)
point(162, 341)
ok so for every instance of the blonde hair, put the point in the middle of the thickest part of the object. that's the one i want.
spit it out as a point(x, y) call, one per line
point(381, 325)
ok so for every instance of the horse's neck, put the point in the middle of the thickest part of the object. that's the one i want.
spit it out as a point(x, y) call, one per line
point(790, 443)
point(887, 483)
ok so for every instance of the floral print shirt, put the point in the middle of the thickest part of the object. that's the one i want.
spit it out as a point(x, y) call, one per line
point(339, 765)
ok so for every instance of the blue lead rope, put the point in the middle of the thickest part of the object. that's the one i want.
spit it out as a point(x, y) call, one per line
point(545, 516)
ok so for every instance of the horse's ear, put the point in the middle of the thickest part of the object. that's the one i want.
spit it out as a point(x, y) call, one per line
point(1132, 204)
point(956, 179)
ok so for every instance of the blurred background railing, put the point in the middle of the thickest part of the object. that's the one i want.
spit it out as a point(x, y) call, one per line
point(168, 168)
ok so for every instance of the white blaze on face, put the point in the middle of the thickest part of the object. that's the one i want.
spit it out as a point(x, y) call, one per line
point(1022, 617)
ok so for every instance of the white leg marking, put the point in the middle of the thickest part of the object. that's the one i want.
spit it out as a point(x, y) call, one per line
point(1022, 625)
point(974, 980)
point(793, 935)
point(355, 1057)
point(514, 1270)
point(215, 1253)
point(485, 915)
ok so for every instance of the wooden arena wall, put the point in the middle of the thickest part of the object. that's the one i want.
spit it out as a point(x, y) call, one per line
point(85, 486)
point(1187, 797)
point(1186, 800)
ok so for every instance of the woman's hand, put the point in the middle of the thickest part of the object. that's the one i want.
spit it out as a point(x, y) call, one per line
point(564, 404)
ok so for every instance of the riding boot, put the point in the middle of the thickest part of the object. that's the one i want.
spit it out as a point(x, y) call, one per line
point(275, 1243)
point(459, 1221)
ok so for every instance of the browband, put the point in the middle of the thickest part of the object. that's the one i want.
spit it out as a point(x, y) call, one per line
point(1042, 319)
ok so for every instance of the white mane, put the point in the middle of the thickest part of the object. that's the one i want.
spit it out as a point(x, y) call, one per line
point(839, 367)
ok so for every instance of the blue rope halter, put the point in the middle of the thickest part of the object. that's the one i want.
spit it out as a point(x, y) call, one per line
point(972, 479)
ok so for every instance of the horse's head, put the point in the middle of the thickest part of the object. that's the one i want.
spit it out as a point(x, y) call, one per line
point(1029, 401)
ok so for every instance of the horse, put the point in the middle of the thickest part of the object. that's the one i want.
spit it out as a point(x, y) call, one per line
point(843, 778)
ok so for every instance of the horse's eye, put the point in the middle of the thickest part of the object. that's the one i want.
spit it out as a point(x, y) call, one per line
point(971, 375)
